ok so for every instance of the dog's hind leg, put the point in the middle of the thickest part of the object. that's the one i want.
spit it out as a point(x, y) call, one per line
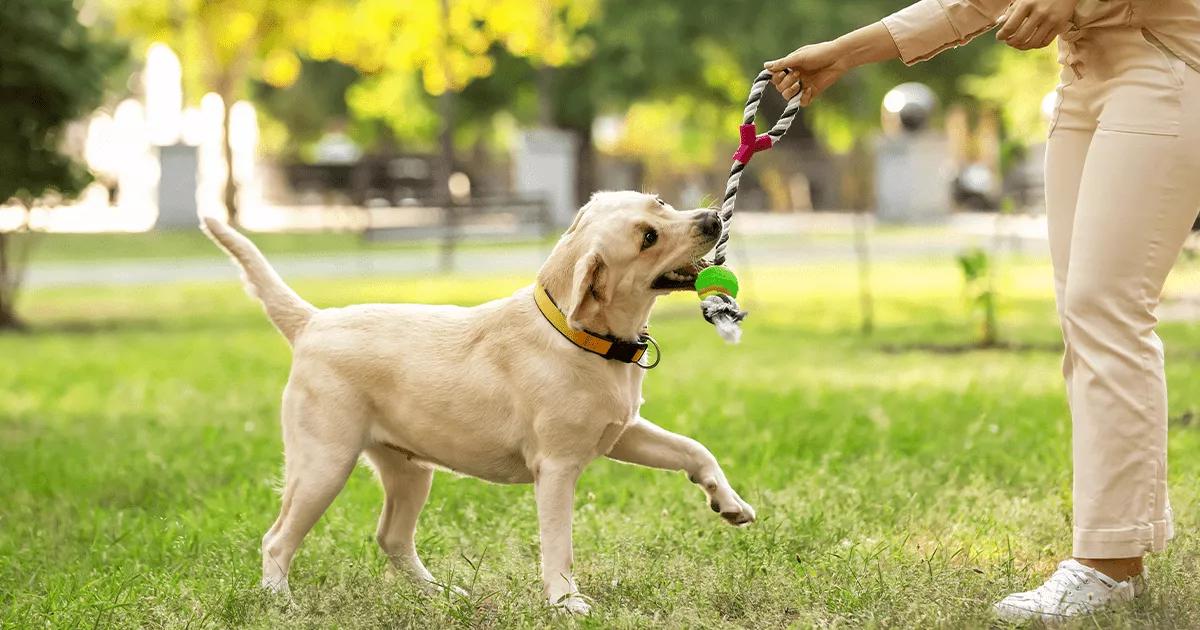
point(646, 444)
point(406, 488)
point(317, 464)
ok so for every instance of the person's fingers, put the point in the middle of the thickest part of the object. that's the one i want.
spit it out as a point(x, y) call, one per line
point(791, 61)
point(1033, 40)
point(777, 78)
point(1041, 40)
point(788, 81)
point(1013, 20)
point(1024, 33)
point(817, 86)
point(1058, 30)
point(799, 87)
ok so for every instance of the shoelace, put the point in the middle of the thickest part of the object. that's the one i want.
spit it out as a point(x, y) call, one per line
point(1064, 581)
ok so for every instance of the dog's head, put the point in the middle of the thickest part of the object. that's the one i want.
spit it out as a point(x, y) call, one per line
point(623, 250)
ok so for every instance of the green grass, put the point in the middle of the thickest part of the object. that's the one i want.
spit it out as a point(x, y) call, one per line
point(140, 457)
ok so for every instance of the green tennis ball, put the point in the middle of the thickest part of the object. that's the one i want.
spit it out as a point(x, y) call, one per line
point(713, 280)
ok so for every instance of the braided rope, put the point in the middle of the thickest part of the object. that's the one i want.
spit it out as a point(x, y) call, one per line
point(722, 310)
point(739, 163)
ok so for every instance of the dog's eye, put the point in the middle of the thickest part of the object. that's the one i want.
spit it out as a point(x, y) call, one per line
point(661, 202)
point(649, 239)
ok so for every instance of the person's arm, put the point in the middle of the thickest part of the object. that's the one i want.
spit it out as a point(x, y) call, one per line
point(818, 66)
point(913, 34)
point(928, 27)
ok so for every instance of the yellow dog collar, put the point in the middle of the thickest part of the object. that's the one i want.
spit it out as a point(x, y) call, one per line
point(606, 346)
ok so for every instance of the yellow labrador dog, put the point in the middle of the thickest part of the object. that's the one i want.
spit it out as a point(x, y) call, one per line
point(528, 388)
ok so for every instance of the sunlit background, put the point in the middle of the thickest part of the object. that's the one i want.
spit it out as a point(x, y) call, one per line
point(479, 95)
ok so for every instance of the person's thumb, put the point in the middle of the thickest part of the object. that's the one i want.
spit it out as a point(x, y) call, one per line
point(791, 61)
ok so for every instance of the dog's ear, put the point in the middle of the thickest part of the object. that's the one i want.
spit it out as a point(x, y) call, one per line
point(580, 214)
point(578, 217)
point(590, 290)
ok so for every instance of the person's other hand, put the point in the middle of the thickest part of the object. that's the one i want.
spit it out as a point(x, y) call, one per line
point(810, 68)
point(1029, 24)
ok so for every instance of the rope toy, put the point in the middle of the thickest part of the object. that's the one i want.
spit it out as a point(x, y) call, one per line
point(717, 285)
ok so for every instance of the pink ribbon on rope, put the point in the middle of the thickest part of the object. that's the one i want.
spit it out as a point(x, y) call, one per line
point(751, 144)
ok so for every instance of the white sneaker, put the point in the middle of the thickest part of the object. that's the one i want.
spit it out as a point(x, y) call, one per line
point(1074, 590)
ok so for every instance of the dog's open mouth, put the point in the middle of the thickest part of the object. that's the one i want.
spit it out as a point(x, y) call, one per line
point(681, 279)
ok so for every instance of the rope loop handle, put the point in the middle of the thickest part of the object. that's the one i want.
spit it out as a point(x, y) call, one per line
point(749, 145)
point(717, 302)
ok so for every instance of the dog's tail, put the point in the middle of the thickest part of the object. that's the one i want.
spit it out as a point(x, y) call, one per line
point(288, 311)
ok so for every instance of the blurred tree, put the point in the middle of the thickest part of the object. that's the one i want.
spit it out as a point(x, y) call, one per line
point(1016, 84)
point(53, 72)
point(432, 70)
point(979, 285)
point(222, 44)
point(677, 71)
point(299, 114)
point(410, 51)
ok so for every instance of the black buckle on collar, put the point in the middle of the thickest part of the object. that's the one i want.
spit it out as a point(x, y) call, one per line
point(625, 351)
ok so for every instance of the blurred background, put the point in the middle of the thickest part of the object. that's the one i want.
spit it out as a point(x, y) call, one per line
point(460, 122)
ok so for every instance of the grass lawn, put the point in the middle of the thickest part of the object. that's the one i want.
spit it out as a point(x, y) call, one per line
point(895, 486)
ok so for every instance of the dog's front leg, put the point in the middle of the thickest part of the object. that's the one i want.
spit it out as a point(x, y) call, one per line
point(554, 488)
point(646, 444)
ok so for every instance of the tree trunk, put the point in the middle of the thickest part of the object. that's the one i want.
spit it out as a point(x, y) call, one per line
point(445, 166)
point(441, 181)
point(231, 201)
point(585, 164)
point(12, 270)
point(545, 95)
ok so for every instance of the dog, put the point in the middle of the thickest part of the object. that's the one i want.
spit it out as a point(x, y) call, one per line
point(525, 389)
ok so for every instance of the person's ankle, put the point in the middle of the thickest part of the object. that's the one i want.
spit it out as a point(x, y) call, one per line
point(1119, 569)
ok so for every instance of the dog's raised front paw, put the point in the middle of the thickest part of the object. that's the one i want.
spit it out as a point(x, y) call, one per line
point(276, 586)
point(732, 508)
point(573, 604)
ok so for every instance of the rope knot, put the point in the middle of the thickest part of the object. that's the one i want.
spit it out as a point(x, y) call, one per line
point(751, 143)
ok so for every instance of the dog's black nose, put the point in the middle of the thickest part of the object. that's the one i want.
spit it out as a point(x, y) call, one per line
point(710, 224)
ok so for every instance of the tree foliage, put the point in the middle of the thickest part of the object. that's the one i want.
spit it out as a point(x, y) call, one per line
point(53, 71)
point(1016, 84)
point(223, 45)
point(684, 64)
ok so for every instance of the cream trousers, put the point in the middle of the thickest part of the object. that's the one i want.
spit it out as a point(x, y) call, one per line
point(1122, 191)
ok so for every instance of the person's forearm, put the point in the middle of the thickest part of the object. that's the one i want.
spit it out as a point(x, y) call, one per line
point(869, 44)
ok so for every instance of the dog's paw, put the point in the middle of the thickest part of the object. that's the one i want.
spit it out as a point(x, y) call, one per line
point(572, 604)
point(276, 586)
point(732, 508)
point(453, 591)
point(438, 589)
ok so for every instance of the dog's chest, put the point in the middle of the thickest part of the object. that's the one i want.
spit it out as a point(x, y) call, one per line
point(625, 412)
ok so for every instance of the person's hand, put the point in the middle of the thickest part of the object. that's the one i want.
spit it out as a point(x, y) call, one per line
point(1029, 24)
point(810, 68)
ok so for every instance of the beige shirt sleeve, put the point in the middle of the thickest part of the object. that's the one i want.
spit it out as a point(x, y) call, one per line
point(928, 27)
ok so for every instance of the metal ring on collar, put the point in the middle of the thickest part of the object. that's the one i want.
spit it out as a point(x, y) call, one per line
point(657, 354)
